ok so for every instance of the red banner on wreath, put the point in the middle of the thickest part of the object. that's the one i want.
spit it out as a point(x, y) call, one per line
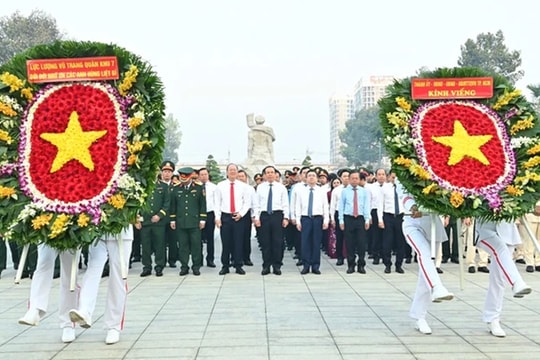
point(76, 69)
point(452, 88)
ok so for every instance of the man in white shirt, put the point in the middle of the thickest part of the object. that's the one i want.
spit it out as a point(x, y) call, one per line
point(271, 217)
point(375, 233)
point(312, 217)
point(233, 201)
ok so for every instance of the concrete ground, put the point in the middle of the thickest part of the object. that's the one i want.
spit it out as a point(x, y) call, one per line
point(292, 316)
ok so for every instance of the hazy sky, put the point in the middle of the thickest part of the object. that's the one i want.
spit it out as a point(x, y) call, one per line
point(283, 59)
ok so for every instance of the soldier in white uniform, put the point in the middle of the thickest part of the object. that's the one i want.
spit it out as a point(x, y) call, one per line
point(417, 231)
point(106, 247)
point(498, 239)
point(41, 288)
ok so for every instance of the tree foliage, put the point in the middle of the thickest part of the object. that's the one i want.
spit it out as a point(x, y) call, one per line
point(362, 138)
point(307, 161)
point(213, 170)
point(173, 137)
point(19, 33)
point(490, 53)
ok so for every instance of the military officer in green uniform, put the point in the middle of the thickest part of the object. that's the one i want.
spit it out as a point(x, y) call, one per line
point(188, 217)
point(152, 223)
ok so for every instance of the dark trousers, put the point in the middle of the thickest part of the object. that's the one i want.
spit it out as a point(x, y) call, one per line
point(246, 220)
point(375, 236)
point(232, 240)
point(311, 241)
point(208, 235)
point(171, 239)
point(451, 252)
point(136, 246)
point(339, 238)
point(393, 238)
point(153, 241)
point(355, 233)
point(189, 243)
point(290, 232)
point(271, 239)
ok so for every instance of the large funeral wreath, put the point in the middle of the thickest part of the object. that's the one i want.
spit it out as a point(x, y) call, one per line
point(478, 158)
point(77, 159)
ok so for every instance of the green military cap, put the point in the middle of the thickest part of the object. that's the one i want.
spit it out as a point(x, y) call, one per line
point(167, 165)
point(186, 170)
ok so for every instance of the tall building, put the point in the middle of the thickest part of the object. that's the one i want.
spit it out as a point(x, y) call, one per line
point(341, 110)
point(368, 91)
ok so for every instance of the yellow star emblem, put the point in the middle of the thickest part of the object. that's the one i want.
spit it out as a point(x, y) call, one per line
point(73, 144)
point(463, 144)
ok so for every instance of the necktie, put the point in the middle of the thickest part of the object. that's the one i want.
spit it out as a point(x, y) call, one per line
point(269, 203)
point(310, 203)
point(233, 208)
point(355, 203)
point(396, 201)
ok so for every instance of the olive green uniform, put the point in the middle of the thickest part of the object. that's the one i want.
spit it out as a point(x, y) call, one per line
point(153, 234)
point(188, 209)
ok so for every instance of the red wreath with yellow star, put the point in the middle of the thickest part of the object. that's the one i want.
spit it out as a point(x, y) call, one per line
point(77, 158)
point(465, 157)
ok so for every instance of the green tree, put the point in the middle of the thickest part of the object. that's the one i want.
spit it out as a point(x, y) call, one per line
point(19, 33)
point(362, 138)
point(490, 53)
point(535, 89)
point(213, 169)
point(173, 137)
point(307, 161)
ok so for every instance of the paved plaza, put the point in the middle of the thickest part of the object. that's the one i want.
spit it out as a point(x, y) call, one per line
point(328, 316)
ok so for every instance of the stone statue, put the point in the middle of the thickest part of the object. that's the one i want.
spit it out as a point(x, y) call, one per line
point(260, 145)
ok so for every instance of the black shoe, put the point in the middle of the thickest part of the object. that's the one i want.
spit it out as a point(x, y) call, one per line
point(146, 273)
point(248, 263)
point(439, 271)
point(136, 259)
point(210, 264)
point(408, 260)
point(299, 263)
point(224, 270)
point(265, 271)
point(399, 270)
point(316, 272)
point(444, 260)
point(25, 275)
point(472, 269)
point(304, 271)
point(159, 272)
point(455, 260)
point(361, 270)
point(240, 271)
point(350, 270)
point(56, 275)
point(196, 272)
point(376, 261)
point(339, 262)
point(173, 265)
point(529, 268)
point(184, 272)
point(483, 269)
point(387, 269)
point(520, 261)
point(537, 268)
point(277, 271)
point(105, 273)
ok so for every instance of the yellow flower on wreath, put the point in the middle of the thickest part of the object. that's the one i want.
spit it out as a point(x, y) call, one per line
point(404, 104)
point(456, 199)
point(7, 110)
point(134, 122)
point(419, 171)
point(532, 162)
point(41, 221)
point(6, 192)
point(129, 78)
point(402, 160)
point(397, 119)
point(27, 93)
point(117, 201)
point(12, 81)
point(431, 188)
point(505, 99)
point(137, 146)
point(4, 136)
point(514, 190)
point(522, 125)
point(529, 176)
point(83, 220)
point(59, 225)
